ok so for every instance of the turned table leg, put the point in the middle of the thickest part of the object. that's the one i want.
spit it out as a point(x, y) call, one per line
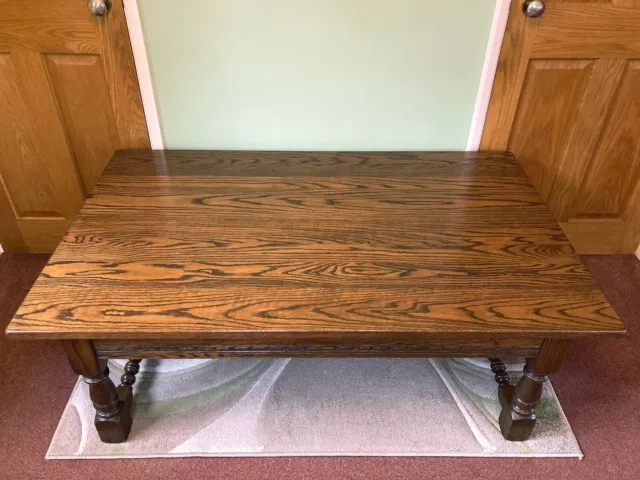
point(518, 415)
point(112, 405)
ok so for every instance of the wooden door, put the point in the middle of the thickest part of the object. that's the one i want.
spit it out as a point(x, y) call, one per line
point(69, 98)
point(566, 102)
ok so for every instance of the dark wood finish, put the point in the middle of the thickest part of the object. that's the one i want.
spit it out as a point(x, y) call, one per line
point(518, 416)
point(551, 355)
point(505, 396)
point(228, 254)
point(311, 348)
point(113, 406)
point(199, 245)
point(82, 357)
point(500, 372)
point(131, 368)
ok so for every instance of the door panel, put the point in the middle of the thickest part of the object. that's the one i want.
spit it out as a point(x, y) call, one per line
point(69, 98)
point(36, 163)
point(587, 30)
point(582, 143)
point(615, 168)
point(86, 111)
point(38, 26)
point(120, 74)
point(566, 101)
point(551, 96)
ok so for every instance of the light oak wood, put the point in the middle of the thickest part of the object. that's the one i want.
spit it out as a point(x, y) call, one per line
point(120, 75)
point(85, 112)
point(68, 99)
point(64, 26)
point(35, 161)
point(398, 247)
point(566, 102)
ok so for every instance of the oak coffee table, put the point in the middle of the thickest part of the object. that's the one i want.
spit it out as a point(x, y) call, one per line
point(184, 254)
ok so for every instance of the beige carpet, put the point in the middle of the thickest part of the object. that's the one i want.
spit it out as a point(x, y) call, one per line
point(291, 407)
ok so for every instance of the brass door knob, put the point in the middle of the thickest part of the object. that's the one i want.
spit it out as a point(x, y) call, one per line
point(99, 7)
point(533, 8)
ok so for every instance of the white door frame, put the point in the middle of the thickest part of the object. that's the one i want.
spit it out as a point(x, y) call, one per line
point(498, 26)
point(136, 36)
point(489, 67)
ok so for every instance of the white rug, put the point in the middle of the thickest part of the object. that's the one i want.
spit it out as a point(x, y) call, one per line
point(291, 407)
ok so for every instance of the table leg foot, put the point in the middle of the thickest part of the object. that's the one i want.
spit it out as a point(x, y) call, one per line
point(113, 408)
point(113, 405)
point(518, 414)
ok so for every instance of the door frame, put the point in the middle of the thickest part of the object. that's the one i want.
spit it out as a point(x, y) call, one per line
point(143, 70)
point(149, 101)
point(489, 68)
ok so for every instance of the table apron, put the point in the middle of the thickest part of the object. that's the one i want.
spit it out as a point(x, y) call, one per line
point(211, 349)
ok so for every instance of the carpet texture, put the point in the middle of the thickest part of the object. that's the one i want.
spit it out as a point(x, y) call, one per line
point(598, 386)
point(282, 407)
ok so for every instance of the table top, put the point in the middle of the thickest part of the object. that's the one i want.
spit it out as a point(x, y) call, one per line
point(186, 244)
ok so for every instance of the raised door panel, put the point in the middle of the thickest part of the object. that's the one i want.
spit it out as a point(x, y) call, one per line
point(63, 26)
point(587, 30)
point(565, 101)
point(550, 99)
point(37, 168)
point(69, 98)
point(585, 136)
point(614, 170)
point(79, 85)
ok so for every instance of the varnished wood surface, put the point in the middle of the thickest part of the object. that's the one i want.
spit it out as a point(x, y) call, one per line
point(69, 98)
point(565, 101)
point(207, 245)
point(319, 345)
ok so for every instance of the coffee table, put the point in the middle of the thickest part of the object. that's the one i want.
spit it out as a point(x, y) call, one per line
point(185, 254)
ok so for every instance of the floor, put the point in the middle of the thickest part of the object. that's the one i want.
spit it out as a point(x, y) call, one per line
point(599, 388)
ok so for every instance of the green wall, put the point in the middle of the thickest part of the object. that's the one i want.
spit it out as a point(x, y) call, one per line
point(316, 74)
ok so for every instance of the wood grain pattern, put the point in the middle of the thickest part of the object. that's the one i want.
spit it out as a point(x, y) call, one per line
point(587, 30)
point(565, 102)
point(549, 85)
point(551, 356)
point(626, 3)
point(194, 349)
point(120, 72)
point(596, 235)
point(41, 234)
point(632, 214)
point(64, 26)
point(30, 114)
point(68, 99)
point(614, 170)
point(582, 143)
point(11, 236)
point(85, 111)
point(207, 245)
point(82, 357)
